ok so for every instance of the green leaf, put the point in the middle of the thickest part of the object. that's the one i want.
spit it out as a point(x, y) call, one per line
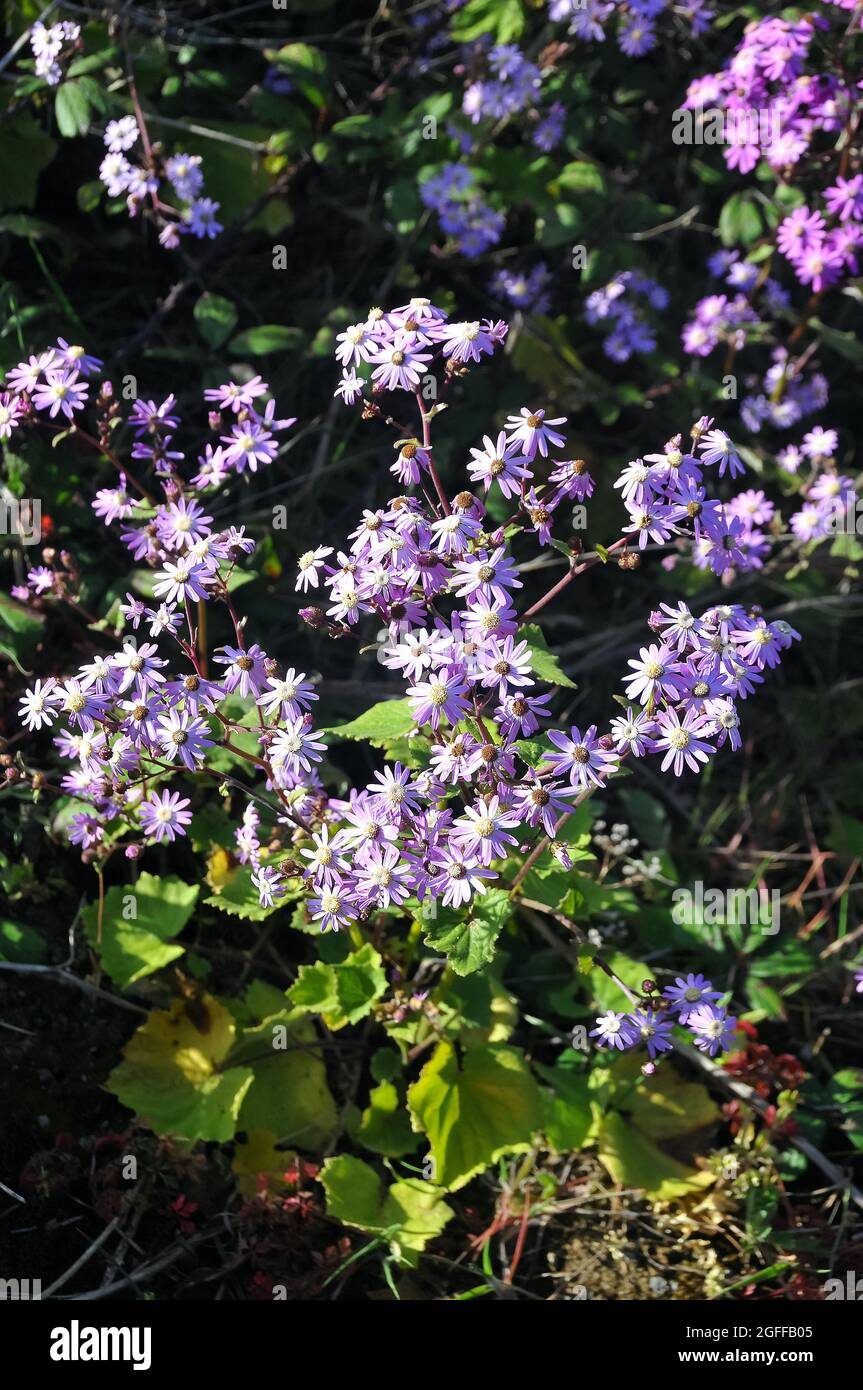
point(502, 18)
point(384, 1126)
point(567, 1109)
point(305, 66)
point(846, 1092)
point(475, 1111)
point(409, 1214)
point(90, 195)
point(543, 661)
point(72, 109)
point(468, 939)
point(138, 922)
point(579, 176)
point(342, 993)
point(216, 318)
point(21, 626)
point(533, 751)
point(172, 1077)
point(20, 944)
point(290, 1095)
point(740, 220)
point(25, 150)
point(267, 337)
point(386, 720)
point(847, 344)
point(668, 1106)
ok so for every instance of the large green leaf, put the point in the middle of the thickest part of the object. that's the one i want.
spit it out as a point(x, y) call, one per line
point(568, 1114)
point(266, 338)
point(474, 1109)
point(25, 149)
point(290, 1095)
point(20, 944)
point(740, 220)
point(384, 1126)
point(138, 924)
point(634, 1162)
point(72, 109)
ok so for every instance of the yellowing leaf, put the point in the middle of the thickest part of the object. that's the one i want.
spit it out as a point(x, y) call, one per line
point(669, 1106)
point(259, 1159)
point(170, 1074)
point(474, 1111)
point(220, 869)
point(634, 1162)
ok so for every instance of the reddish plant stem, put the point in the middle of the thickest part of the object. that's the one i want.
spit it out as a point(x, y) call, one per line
point(568, 578)
point(427, 444)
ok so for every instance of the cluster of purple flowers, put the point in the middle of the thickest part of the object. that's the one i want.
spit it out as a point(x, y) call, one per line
point(443, 584)
point(398, 348)
point(718, 318)
point(178, 177)
point(824, 252)
point(54, 382)
point(636, 30)
point(766, 78)
point(461, 211)
point(829, 498)
point(664, 491)
point(786, 396)
point(52, 46)
point(725, 317)
point(620, 304)
point(528, 292)
point(775, 108)
point(52, 388)
point(690, 1002)
point(510, 84)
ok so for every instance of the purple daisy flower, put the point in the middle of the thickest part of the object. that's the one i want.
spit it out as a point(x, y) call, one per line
point(164, 815)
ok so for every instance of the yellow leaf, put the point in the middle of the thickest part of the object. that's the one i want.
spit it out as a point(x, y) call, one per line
point(220, 869)
point(170, 1074)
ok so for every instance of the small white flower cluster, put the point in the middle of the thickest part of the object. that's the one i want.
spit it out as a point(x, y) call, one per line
point(48, 44)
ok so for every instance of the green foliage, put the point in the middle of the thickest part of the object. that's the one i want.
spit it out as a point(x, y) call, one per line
point(407, 1214)
point(342, 993)
point(469, 942)
point(544, 662)
point(138, 926)
point(388, 720)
